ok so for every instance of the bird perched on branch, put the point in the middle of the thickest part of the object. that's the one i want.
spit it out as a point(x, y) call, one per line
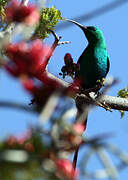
point(94, 61)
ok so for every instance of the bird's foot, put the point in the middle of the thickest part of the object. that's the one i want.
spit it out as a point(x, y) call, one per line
point(95, 97)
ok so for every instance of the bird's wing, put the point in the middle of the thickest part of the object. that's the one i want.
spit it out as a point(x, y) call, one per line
point(108, 65)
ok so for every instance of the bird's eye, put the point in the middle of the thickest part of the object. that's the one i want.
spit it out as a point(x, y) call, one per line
point(91, 28)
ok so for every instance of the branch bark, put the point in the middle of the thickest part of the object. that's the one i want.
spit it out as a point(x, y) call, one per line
point(113, 102)
point(116, 103)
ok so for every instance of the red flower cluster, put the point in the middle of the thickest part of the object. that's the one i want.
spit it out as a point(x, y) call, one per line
point(40, 93)
point(26, 59)
point(73, 136)
point(16, 12)
point(70, 68)
point(79, 128)
point(76, 138)
point(21, 142)
point(68, 59)
point(65, 169)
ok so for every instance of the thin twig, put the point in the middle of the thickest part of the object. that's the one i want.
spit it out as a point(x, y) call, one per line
point(94, 13)
point(75, 157)
point(25, 2)
point(4, 104)
point(63, 42)
point(55, 44)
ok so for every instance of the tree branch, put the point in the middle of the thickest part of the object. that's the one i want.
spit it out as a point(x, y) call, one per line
point(116, 103)
point(113, 102)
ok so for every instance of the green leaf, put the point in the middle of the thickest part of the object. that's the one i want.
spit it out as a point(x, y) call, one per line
point(49, 17)
point(122, 113)
point(123, 93)
point(2, 6)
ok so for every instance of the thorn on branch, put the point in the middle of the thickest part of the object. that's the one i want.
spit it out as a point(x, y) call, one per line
point(101, 104)
point(63, 42)
point(57, 38)
point(54, 45)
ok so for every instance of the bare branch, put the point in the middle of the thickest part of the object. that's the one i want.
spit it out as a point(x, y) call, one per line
point(116, 103)
point(95, 13)
point(64, 42)
point(5, 104)
point(113, 102)
point(54, 45)
point(25, 2)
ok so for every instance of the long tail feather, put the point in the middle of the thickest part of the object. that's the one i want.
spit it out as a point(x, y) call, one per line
point(81, 117)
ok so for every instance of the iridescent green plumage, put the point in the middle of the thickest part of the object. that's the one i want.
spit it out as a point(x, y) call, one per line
point(94, 61)
point(94, 66)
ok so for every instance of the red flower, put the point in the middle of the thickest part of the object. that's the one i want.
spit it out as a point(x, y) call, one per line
point(68, 59)
point(76, 139)
point(20, 13)
point(11, 141)
point(65, 169)
point(24, 137)
point(29, 147)
point(79, 128)
point(26, 59)
point(28, 84)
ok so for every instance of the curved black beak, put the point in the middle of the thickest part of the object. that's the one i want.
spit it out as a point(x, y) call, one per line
point(78, 24)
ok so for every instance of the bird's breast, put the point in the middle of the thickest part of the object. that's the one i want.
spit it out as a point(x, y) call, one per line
point(93, 66)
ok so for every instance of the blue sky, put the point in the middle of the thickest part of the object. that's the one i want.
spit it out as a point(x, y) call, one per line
point(114, 25)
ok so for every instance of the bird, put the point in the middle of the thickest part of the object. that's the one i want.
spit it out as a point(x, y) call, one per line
point(94, 61)
point(94, 64)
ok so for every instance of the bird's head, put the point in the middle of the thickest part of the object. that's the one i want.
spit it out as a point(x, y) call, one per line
point(93, 34)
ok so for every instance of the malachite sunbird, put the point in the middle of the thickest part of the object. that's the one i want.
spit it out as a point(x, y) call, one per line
point(94, 61)
point(94, 65)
